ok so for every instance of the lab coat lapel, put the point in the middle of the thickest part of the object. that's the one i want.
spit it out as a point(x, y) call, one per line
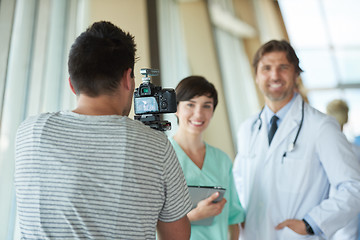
point(290, 123)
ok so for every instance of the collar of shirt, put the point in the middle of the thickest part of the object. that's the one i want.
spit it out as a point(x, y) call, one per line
point(280, 114)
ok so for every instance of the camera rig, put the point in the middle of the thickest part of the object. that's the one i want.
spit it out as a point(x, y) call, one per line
point(151, 101)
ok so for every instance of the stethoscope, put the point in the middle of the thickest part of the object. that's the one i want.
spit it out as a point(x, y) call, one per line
point(291, 146)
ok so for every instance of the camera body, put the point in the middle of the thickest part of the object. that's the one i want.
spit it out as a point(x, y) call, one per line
point(150, 101)
point(153, 99)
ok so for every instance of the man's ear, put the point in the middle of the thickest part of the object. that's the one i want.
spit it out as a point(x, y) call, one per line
point(127, 80)
point(71, 86)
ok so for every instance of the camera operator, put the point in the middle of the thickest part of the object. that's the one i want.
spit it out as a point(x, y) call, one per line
point(93, 173)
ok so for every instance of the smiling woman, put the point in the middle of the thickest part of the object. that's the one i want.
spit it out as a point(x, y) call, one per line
point(194, 115)
point(197, 100)
point(203, 164)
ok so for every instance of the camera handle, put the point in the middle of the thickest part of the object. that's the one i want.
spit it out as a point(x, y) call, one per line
point(153, 121)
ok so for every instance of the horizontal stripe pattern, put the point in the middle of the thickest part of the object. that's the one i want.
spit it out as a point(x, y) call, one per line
point(95, 177)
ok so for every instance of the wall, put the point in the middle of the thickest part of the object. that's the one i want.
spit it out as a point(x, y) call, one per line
point(202, 57)
point(130, 16)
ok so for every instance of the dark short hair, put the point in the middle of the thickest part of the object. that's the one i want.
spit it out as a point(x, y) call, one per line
point(277, 46)
point(99, 58)
point(194, 86)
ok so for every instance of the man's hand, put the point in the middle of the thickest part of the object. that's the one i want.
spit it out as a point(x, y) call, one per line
point(296, 225)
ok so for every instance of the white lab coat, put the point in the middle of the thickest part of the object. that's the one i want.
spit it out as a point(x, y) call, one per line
point(351, 230)
point(273, 189)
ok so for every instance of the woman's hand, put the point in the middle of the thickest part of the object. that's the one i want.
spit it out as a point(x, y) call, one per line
point(206, 208)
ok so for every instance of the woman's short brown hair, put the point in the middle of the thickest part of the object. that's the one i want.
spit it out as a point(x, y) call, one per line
point(194, 86)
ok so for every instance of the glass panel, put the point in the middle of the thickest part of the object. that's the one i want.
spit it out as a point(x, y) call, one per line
point(352, 96)
point(343, 19)
point(349, 65)
point(325, 36)
point(319, 99)
point(318, 69)
point(304, 23)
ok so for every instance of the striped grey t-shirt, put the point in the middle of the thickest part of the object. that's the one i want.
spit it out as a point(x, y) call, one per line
point(95, 177)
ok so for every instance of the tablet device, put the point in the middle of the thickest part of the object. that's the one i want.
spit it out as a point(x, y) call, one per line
point(198, 193)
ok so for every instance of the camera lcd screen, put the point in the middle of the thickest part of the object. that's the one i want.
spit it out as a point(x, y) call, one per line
point(145, 105)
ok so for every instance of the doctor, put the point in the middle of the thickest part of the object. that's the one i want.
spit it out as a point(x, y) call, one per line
point(283, 180)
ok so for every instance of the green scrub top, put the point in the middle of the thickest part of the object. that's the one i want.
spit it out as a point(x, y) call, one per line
point(216, 171)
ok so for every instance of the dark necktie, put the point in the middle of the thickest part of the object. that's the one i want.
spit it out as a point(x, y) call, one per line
point(273, 128)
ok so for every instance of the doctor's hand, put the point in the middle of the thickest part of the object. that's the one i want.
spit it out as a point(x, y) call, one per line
point(206, 208)
point(296, 225)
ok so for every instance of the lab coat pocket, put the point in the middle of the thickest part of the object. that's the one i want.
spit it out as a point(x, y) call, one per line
point(291, 175)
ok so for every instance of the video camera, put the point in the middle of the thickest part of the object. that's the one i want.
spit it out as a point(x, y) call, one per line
point(150, 101)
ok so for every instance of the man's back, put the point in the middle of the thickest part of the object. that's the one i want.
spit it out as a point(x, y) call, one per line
point(100, 177)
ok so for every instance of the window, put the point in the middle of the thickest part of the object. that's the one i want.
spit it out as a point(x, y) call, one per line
point(39, 35)
point(325, 36)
